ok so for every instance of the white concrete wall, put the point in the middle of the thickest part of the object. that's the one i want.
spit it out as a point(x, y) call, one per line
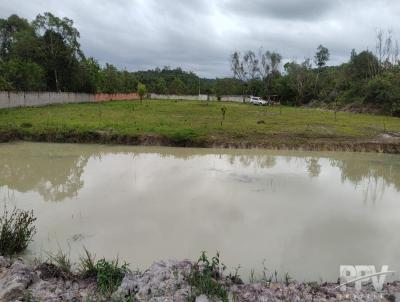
point(202, 97)
point(25, 99)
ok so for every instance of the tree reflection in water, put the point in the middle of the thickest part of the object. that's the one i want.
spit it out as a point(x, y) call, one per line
point(55, 171)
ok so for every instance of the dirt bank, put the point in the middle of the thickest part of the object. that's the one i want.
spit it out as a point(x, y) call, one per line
point(385, 143)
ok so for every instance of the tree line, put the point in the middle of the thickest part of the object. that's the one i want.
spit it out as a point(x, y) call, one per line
point(45, 55)
point(367, 79)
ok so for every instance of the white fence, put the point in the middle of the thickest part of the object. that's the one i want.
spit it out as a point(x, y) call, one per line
point(24, 99)
point(201, 97)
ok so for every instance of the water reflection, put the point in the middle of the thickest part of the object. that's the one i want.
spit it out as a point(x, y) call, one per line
point(55, 171)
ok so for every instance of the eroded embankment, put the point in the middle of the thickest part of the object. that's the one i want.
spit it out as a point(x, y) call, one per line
point(386, 143)
point(168, 281)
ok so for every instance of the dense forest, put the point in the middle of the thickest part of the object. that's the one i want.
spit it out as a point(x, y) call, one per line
point(45, 55)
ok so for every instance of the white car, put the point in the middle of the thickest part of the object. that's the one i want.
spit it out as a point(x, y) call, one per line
point(257, 101)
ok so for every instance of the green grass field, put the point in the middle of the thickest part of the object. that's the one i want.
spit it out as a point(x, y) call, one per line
point(190, 123)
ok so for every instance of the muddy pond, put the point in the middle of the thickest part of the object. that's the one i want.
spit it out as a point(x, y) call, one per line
point(304, 213)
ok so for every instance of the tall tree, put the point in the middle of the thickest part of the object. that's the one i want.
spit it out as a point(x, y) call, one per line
point(320, 59)
point(300, 79)
point(239, 71)
point(269, 67)
point(8, 29)
point(61, 49)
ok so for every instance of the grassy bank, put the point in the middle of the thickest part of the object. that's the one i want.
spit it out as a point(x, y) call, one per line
point(202, 124)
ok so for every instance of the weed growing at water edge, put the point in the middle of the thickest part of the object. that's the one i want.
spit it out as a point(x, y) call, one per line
point(16, 231)
point(110, 275)
point(288, 279)
point(58, 265)
point(235, 277)
point(204, 278)
point(87, 265)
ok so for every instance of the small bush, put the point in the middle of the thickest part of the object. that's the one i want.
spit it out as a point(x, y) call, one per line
point(17, 230)
point(204, 278)
point(109, 274)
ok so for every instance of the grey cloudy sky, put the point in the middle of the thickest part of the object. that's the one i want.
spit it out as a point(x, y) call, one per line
point(199, 35)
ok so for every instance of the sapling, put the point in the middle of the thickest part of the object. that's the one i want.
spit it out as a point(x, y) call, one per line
point(223, 112)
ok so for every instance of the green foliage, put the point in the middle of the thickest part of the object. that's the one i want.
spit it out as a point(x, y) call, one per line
point(183, 136)
point(16, 231)
point(194, 122)
point(58, 265)
point(21, 76)
point(300, 79)
point(142, 90)
point(384, 90)
point(205, 276)
point(322, 56)
point(110, 275)
point(161, 86)
point(177, 87)
point(87, 265)
point(362, 66)
point(227, 86)
point(45, 55)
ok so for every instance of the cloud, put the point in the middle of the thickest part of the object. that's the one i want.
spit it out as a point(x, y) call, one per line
point(283, 9)
point(199, 35)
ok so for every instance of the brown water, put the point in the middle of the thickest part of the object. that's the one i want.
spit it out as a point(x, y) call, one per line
point(298, 212)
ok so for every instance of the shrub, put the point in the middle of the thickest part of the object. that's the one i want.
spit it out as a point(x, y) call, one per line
point(204, 277)
point(109, 274)
point(142, 90)
point(17, 230)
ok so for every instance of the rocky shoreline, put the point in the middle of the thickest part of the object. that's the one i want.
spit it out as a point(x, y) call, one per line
point(166, 281)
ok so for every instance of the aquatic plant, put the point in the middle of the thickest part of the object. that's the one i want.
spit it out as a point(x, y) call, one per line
point(16, 231)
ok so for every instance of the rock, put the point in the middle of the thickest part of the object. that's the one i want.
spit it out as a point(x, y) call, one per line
point(163, 281)
point(15, 281)
point(202, 298)
point(128, 287)
point(4, 262)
